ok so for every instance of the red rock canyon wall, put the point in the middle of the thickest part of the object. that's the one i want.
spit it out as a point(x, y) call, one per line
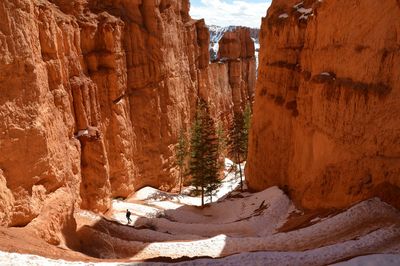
point(326, 123)
point(93, 96)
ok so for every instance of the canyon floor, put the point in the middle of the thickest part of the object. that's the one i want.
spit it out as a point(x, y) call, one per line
point(238, 228)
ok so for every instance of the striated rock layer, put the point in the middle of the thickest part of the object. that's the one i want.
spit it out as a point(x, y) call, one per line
point(326, 123)
point(228, 84)
point(93, 96)
point(236, 48)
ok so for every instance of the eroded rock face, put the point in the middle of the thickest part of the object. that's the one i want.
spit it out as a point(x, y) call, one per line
point(326, 123)
point(39, 153)
point(93, 97)
point(56, 223)
point(6, 201)
point(236, 49)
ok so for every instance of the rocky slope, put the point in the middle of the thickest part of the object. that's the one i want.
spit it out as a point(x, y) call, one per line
point(93, 96)
point(326, 123)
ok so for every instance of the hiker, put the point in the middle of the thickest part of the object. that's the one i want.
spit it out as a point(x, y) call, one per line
point(128, 216)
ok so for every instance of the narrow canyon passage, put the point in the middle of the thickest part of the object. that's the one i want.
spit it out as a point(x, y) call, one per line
point(167, 226)
point(240, 227)
point(116, 105)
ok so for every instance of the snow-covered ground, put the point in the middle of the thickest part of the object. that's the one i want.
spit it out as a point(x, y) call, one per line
point(254, 258)
point(230, 183)
point(240, 228)
point(356, 231)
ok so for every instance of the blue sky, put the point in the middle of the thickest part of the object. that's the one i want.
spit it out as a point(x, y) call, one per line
point(230, 12)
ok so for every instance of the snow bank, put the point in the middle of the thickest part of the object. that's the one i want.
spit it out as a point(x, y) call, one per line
point(15, 259)
point(221, 246)
point(260, 214)
point(359, 229)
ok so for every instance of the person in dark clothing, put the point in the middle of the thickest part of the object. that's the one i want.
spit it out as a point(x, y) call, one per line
point(128, 216)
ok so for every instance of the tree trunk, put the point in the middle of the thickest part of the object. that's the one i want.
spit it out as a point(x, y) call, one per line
point(180, 181)
point(202, 196)
point(240, 172)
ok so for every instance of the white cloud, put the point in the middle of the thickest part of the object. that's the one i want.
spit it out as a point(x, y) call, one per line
point(223, 13)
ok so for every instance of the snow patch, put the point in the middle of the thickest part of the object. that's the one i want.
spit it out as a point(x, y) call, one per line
point(325, 74)
point(284, 15)
point(305, 12)
point(81, 133)
point(315, 220)
point(298, 5)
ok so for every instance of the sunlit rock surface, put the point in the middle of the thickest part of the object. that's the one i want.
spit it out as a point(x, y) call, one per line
point(93, 97)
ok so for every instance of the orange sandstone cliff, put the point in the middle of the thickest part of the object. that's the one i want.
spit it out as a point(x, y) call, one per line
point(93, 96)
point(237, 50)
point(326, 123)
point(228, 83)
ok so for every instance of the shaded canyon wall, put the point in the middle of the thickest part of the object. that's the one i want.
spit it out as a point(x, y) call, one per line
point(326, 124)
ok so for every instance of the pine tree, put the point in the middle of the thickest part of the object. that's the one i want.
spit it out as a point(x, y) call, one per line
point(181, 153)
point(246, 129)
point(238, 138)
point(222, 143)
point(196, 151)
point(221, 138)
point(203, 164)
point(212, 155)
point(236, 141)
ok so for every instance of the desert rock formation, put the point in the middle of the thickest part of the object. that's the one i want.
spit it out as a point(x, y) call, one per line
point(228, 83)
point(326, 123)
point(237, 49)
point(93, 96)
